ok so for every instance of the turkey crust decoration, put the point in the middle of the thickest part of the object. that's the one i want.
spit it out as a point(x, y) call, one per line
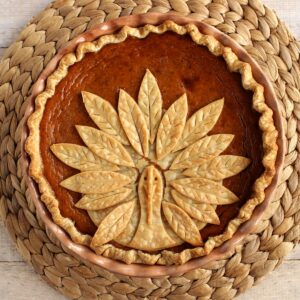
point(179, 169)
point(151, 179)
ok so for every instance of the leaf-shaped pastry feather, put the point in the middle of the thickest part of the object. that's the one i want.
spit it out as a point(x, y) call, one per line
point(200, 225)
point(219, 168)
point(97, 216)
point(105, 146)
point(204, 191)
point(113, 224)
point(128, 233)
point(81, 158)
point(171, 127)
point(200, 123)
point(182, 224)
point(205, 149)
point(133, 123)
point(150, 102)
point(104, 116)
point(132, 173)
point(101, 201)
point(95, 182)
point(203, 212)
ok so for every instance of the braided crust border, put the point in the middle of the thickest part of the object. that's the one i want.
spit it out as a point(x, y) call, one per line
point(269, 137)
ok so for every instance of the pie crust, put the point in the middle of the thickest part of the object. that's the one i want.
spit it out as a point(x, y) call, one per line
point(179, 208)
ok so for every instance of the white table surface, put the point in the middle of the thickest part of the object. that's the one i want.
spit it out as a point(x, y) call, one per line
point(18, 280)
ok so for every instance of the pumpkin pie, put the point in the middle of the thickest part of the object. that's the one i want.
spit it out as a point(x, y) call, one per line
point(152, 145)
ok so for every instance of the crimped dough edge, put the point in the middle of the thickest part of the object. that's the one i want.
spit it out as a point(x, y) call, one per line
point(266, 124)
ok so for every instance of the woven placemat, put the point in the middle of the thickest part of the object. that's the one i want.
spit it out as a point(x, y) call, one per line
point(252, 25)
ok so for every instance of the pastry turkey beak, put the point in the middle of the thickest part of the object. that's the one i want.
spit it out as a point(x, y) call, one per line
point(149, 189)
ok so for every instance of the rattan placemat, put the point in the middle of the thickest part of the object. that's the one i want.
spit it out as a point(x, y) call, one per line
point(251, 24)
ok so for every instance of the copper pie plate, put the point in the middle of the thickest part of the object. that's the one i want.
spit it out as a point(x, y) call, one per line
point(140, 270)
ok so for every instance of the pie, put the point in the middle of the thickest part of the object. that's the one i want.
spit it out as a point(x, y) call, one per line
point(152, 145)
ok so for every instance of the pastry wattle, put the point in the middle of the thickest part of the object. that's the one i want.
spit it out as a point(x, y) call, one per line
point(152, 145)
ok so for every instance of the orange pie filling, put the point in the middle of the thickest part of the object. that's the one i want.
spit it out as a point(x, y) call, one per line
point(179, 66)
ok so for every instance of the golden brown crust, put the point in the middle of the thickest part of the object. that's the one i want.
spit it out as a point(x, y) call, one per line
point(269, 136)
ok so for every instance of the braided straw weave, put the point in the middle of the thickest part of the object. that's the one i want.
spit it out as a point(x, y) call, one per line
point(253, 26)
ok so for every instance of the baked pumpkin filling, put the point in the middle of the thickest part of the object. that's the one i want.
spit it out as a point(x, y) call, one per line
point(181, 156)
point(180, 66)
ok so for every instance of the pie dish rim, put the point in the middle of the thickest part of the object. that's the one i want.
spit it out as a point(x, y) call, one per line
point(207, 26)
